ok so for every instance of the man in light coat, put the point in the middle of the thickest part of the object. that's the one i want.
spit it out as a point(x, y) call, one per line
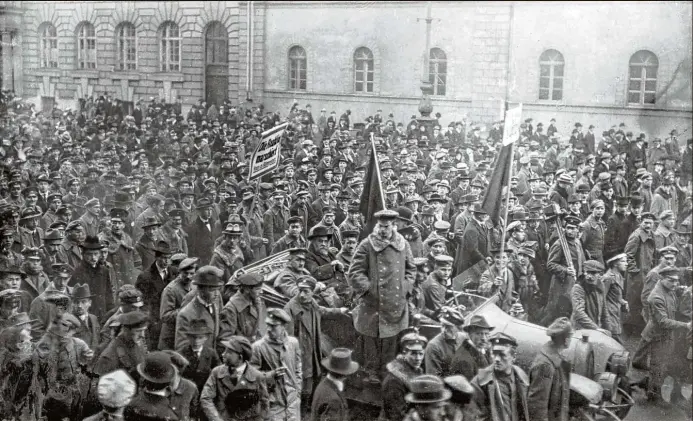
point(381, 274)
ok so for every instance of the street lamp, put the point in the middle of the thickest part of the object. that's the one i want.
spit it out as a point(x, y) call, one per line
point(425, 105)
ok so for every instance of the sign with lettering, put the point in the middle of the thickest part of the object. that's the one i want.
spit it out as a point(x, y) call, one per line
point(267, 155)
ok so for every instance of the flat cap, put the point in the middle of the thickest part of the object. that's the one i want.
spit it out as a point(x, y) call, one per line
point(617, 257)
point(386, 214)
point(240, 345)
point(276, 316)
point(133, 319)
point(560, 326)
point(250, 279)
point(188, 262)
point(669, 271)
point(668, 250)
point(593, 266)
point(443, 260)
point(478, 322)
point(413, 341)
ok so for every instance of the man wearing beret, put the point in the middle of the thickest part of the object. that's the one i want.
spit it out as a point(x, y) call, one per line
point(500, 390)
point(563, 273)
point(278, 356)
point(549, 376)
point(381, 273)
point(235, 390)
point(640, 251)
point(206, 304)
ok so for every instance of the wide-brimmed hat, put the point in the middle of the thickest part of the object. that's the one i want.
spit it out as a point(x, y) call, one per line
point(208, 276)
point(80, 292)
point(198, 327)
point(156, 368)
point(91, 243)
point(427, 388)
point(340, 362)
point(319, 231)
point(151, 221)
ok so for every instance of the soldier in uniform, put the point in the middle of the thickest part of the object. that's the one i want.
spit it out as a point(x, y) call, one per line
point(9, 257)
point(244, 313)
point(127, 350)
point(278, 356)
point(549, 375)
point(171, 301)
point(235, 390)
point(293, 237)
point(173, 232)
point(501, 389)
point(662, 304)
point(275, 219)
point(615, 304)
point(400, 373)
point(442, 348)
point(61, 357)
point(74, 237)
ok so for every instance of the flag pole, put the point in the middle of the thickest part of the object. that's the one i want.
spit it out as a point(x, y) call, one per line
point(377, 170)
point(505, 212)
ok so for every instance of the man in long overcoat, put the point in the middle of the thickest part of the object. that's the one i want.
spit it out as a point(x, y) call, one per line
point(305, 326)
point(475, 240)
point(202, 232)
point(172, 301)
point(205, 305)
point(640, 253)
point(381, 274)
point(244, 313)
point(563, 274)
point(151, 283)
point(549, 376)
point(126, 262)
point(621, 224)
point(93, 272)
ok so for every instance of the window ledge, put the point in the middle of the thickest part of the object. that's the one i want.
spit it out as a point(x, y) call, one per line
point(84, 73)
point(126, 74)
point(45, 71)
point(166, 76)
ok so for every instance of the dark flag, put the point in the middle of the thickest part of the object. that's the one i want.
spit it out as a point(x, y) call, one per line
point(499, 180)
point(372, 198)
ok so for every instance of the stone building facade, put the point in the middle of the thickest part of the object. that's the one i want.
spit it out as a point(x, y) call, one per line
point(587, 62)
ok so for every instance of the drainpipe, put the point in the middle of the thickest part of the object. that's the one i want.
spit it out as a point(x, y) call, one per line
point(249, 55)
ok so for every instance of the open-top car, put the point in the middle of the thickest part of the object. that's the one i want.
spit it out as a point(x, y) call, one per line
point(599, 385)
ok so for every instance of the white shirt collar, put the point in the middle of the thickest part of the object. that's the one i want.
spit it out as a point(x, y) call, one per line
point(338, 383)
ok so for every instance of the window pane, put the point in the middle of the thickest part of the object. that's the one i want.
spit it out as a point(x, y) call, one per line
point(635, 71)
point(558, 83)
point(359, 66)
point(650, 85)
point(557, 95)
point(441, 90)
point(369, 76)
point(558, 70)
point(633, 98)
point(442, 67)
point(358, 87)
point(649, 98)
point(651, 72)
point(544, 70)
point(369, 87)
point(303, 84)
point(358, 76)
point(634, 85)
point(544, 82)
point(543, 94)
point(302, 74)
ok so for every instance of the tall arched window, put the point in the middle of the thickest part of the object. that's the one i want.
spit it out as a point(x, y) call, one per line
point(170, 47)
point(551, 67)
point(49, 45)
point(86, 46)
point(642, 78)
point(363, 70)
point(438, 71)
point(298, 62)
point(126, 43)
point(216, 42)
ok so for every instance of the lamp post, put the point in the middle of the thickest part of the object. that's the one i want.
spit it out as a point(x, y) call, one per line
point(425, 105)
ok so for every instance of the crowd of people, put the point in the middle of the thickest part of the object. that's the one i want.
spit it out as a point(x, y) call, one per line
point(128, 235)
